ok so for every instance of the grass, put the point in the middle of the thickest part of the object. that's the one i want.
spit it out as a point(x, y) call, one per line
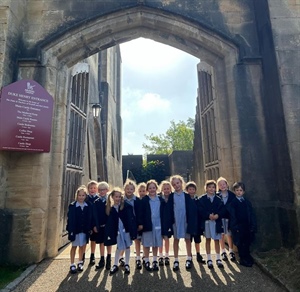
point(8, 273)
point(283, 264)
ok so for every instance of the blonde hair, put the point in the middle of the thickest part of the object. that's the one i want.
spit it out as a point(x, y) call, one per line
point(151, 181)
point(109, 200)
point(129, 182)
point(103, 185)
point(81, 188)
point(165, 182)
point(92, 182)
point(177, 176)
point(222, 178)
point(141, 185)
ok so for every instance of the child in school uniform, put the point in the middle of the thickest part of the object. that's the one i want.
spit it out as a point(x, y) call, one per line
point(185, 220)
point(79, 225)
point(135, 202)
point(151, 223)
point(92, 188)
point(141, 189)
point(167, 222)
point(191, 189)
point(243, 224)
point(100, 217)
point(212, 210)
point(120, 228)
point(226, 196)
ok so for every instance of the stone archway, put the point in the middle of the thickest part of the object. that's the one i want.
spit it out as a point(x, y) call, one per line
point(58, 54)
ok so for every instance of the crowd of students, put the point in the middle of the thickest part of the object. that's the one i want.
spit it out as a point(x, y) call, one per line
point(150, 215)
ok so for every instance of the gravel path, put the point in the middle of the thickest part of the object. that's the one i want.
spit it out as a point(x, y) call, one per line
point(53, 275)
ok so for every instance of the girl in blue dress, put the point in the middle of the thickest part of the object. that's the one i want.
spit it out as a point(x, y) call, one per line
point(151, 222)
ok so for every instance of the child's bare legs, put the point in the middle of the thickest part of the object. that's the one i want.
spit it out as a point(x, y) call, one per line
point(188, 245)
point(72, 254)
point(81, 249)
point(137, 244)
point(217, 246)
point(167, 246)
point(197, 247)
point(176, 248)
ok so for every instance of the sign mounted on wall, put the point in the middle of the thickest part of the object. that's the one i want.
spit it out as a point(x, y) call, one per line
point(26, 110)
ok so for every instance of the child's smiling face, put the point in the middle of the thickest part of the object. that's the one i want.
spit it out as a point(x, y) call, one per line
point(93, 189)
point(129, 190)
point(211, 189)
point(222, 185)
point(117, 198)
point(166, 189)
point(152, 189)
point(81, 196)
point(177, 185)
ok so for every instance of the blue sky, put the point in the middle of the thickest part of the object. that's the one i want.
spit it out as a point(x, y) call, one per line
point(159, 84)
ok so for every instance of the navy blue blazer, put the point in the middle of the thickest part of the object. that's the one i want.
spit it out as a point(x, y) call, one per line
point(238, 225)
point(99, 213)
point(137, 209)
point(207, 207)
point(191, 213)
point(79, 221)
point(112, 224)
point(200, 230)
point(231, 196)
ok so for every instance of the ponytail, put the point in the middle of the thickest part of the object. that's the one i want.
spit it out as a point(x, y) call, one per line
point(108, 204)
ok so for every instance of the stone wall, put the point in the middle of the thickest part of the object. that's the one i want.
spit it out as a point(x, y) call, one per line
point(252, 47)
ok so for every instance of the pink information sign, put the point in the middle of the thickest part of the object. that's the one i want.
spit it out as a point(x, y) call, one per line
point(26, 110)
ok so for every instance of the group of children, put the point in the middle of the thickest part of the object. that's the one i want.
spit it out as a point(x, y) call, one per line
point(152, 216)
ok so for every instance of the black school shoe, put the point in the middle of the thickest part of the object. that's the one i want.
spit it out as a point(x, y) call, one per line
point(148, 266)
point(232, 256)
point(210, 264)
point(126, 270)
point(138, 264)
point(155, 266)
point(101, 264)
point(200, 259)
point(80, 267)
point(224, 256)
point(113, 270)
point(167, 261)
point(73, 269)
point(176, 266)
point(188, 264)
point(161, 261)
point(219, 264)
point(92, 260)
point(108, 263)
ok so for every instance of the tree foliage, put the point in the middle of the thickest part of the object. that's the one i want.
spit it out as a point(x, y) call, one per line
point(179, 136)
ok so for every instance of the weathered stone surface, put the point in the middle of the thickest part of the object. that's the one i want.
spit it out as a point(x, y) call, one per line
point(252, 50)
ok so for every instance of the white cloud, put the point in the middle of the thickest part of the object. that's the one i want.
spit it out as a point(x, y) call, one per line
point(152, 102)
point(147, 55)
